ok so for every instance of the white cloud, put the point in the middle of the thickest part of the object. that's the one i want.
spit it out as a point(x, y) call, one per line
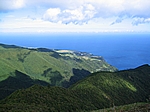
point(79, 12)
point(84, 11)
point(6, 5)
point(52, 14)
point(105, 8)
point(138, 21)
point(79, 15)
point(118, 20)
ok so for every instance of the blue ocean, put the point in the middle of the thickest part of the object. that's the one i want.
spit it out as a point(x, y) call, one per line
point(122, 50)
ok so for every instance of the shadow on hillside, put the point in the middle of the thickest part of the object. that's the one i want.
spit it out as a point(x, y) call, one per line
point(19, 81)
point(78, 75)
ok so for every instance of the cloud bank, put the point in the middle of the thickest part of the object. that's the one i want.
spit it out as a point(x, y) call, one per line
point(79, 15)
point(138, 21)
point(83, 11)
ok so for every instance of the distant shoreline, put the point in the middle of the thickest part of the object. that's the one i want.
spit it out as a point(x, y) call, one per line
point(123, 51)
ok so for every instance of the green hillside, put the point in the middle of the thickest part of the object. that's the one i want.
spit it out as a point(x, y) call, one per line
point(44, 99)
point(54, 67)
point(100, 90)
point(135, 107)
point(20, 81)
point(118, 88)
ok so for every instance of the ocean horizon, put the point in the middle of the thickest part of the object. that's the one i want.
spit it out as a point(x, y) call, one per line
point(122, 50)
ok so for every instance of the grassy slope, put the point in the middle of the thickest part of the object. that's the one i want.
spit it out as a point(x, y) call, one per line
point(18, 80)
point(44, 64)
point(119, 88)
point(34, 62)
point(99, 90)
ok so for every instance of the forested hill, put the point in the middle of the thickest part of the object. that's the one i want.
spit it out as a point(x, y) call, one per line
point(118, 88)
point(98, 91)
point(22, 67)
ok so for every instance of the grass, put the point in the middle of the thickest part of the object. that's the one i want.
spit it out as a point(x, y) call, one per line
point(100, 92)
point(35, 62)
point(119, 88)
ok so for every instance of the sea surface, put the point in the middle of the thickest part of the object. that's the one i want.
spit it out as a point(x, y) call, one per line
point(122, 50)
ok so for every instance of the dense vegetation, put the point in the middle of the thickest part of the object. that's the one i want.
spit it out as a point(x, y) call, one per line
point(135, 107)
point(20, 81)
point(119, 88)
point(98, 91)
point(43, 99)
point(54, 67)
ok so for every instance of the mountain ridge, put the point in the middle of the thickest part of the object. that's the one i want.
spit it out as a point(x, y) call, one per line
point(54, 67)
point(136, 82)
point(99, 90)
point(10, 52)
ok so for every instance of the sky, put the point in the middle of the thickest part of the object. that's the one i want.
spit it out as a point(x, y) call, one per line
point(74, 15)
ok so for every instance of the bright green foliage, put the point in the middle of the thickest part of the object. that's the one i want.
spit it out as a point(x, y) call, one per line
point(51, 66)
point(100, 90)
point(121, 87)
point(34, 62)
point(44, 99)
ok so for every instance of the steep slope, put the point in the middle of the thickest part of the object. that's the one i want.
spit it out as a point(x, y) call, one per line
point(97, 91)
point(40, 63)
point(44, 99)
point(119, 88)
point(56, 67)
point(135, 107)
point(17, 81)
